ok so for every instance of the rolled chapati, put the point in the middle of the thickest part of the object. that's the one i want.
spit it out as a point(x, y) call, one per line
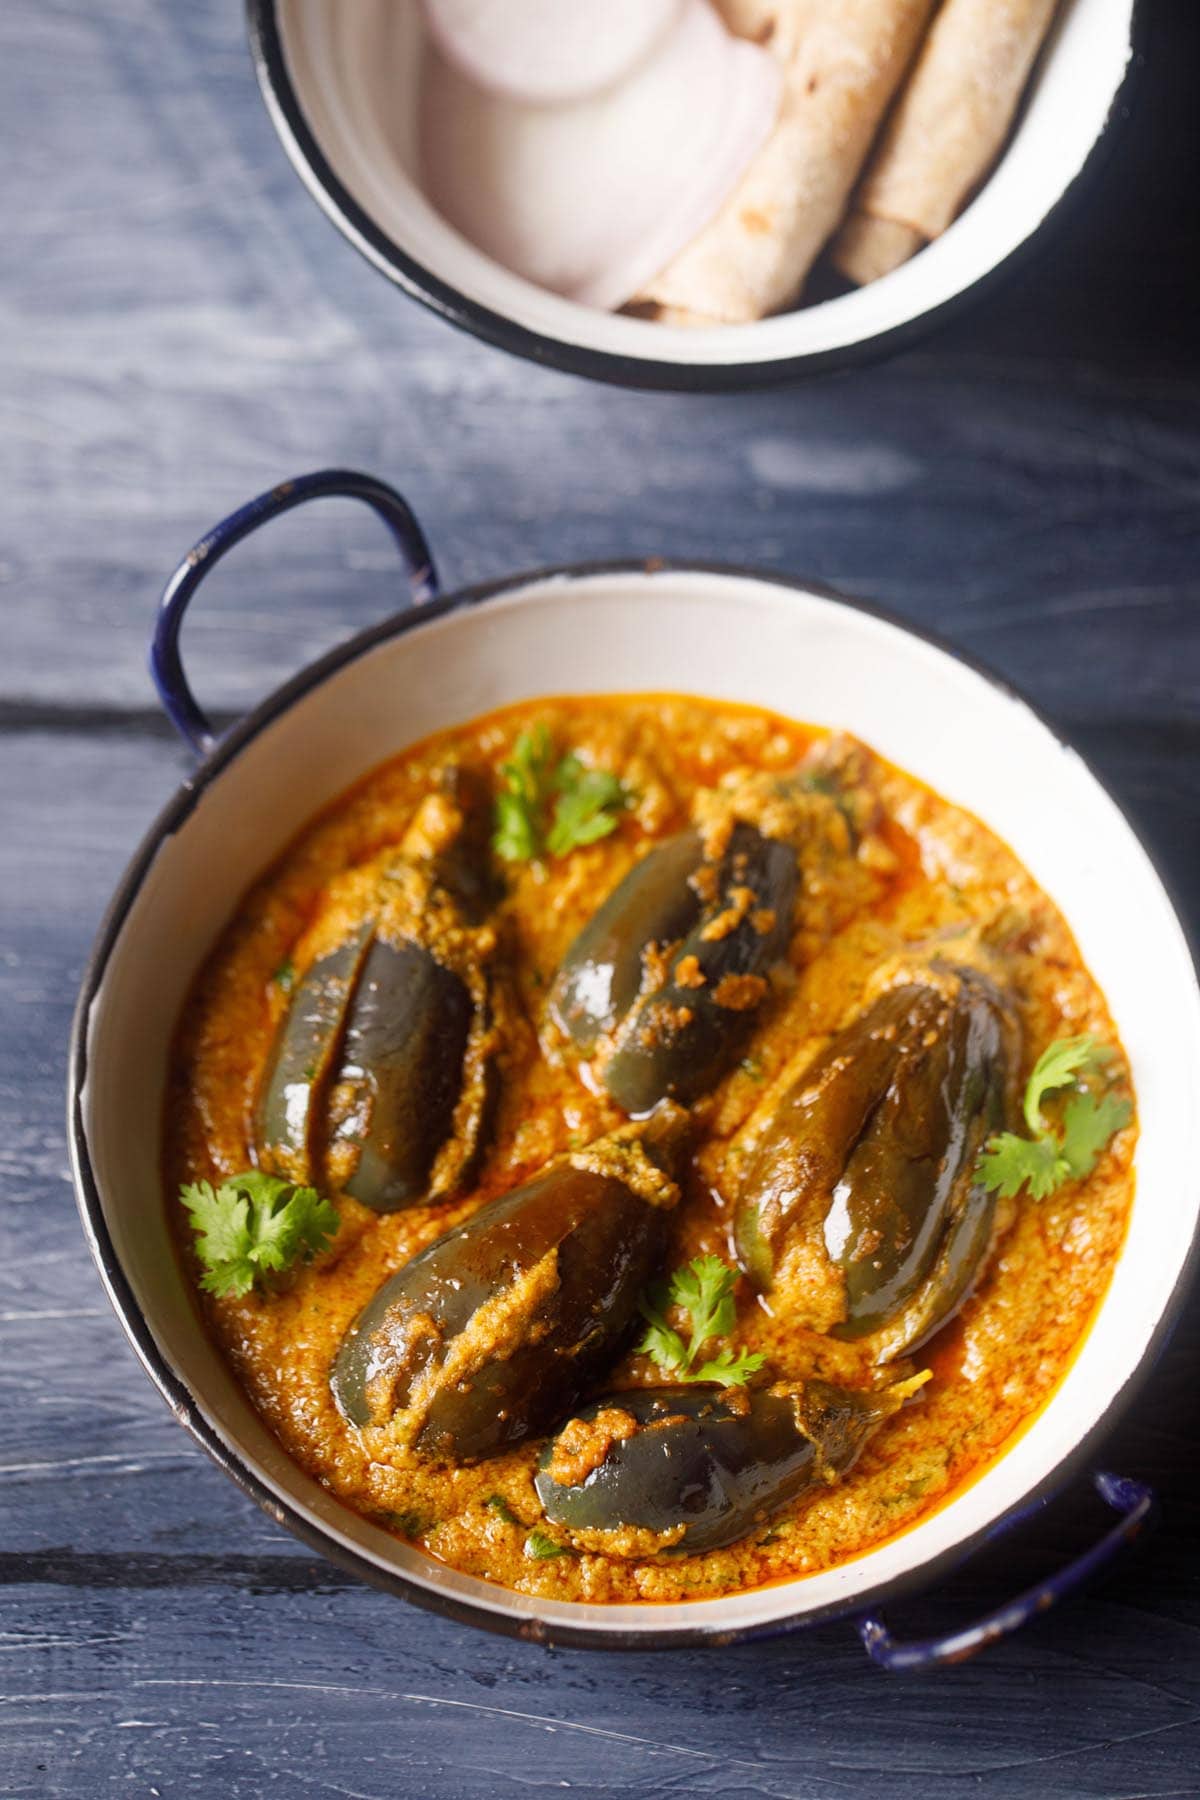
point(945, 133)
point(843, 60)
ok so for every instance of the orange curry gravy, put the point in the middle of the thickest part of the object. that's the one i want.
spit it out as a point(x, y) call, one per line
point(923, 867)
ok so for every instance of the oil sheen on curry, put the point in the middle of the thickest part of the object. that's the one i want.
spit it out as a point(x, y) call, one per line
point(640, 1148)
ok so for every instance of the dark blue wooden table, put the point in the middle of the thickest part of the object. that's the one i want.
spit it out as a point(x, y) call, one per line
point(181, 329)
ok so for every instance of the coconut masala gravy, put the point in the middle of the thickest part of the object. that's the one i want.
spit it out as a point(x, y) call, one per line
point(640, 1148)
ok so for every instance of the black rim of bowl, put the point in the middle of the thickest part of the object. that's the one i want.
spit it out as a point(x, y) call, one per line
point(185, 1404)
point(441, 297)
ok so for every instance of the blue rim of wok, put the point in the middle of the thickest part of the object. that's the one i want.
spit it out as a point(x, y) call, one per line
point(1130, 1498)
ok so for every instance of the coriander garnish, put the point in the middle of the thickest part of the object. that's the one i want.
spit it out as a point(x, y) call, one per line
point(541, 1547)
point(703, 1289)
point(1052, 1155)
point(549, 805)
point(252, 1224)
point(408, 1524)
point(586, 805)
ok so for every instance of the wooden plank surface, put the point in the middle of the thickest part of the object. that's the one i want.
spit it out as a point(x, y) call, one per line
point(180, 328)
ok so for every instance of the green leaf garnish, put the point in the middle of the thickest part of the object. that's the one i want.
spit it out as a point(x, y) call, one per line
point(1088, 1125)
point(499, 1505)
point(816, 781)
point(586, 807)
point(1060, 1066)
point(252, 1224)
point(544, 805)
point(541, 1547)
point(527, 777)
point(1009, 1163)
point(408, 1524)
point(1070, 1150)
point(729, 1368)
point(285, 976)
point(703, 1289)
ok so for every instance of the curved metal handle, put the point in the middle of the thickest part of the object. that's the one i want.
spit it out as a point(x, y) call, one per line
point(166, 665)
point(1132, 1499)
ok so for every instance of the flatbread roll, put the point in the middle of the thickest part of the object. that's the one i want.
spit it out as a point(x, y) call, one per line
point(843, 60)
point(947, 129)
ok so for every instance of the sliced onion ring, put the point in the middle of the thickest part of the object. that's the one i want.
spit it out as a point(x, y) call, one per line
point(547, 51)
point(592, 199)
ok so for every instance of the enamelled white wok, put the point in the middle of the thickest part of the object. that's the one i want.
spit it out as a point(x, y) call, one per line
point(722, 633)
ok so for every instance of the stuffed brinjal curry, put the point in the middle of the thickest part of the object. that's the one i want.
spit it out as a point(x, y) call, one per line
point(640, 1148)
point(670, 977)
point(863, 1209)
point(696, 1468)
point(492, 1333)
point(379, 1077)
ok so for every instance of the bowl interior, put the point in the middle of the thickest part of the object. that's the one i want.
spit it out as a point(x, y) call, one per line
point(728, 637)
point(354, 72)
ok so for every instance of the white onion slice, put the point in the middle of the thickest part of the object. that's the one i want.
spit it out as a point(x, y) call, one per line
point(548, 50)
point(592, 199)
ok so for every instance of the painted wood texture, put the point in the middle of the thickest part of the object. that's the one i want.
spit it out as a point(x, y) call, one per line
point(181, 328)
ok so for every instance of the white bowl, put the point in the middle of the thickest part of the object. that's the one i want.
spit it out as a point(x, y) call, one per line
point(722, 634)
point(347, 116)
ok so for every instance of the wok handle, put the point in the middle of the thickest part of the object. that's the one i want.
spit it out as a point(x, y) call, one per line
point(1132, 1499)
point(166, 664)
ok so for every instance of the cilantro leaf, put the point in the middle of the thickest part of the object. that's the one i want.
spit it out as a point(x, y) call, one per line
point(527, 778)
point(1052, 1154)
point(730, 1367)
point(1088, 1124)
point(1060, 1066)
point(586, 806)
point(1009, 1162)
point(513, 837)
point(408, 1524)
point(553, 806)
point(703, 1289)
point(540, 1546)
point(254, 1223)
point(660, 1342)
point(529, 768)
